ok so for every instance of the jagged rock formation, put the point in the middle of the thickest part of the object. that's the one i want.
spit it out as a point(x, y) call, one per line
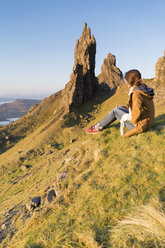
point(158, 83)
point(110, 74)
point(160, 70)
point(82, 82)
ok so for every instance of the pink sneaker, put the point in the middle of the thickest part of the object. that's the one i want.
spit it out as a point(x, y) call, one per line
point(92, 130)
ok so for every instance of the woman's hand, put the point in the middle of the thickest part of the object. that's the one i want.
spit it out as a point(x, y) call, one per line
point(117, 106)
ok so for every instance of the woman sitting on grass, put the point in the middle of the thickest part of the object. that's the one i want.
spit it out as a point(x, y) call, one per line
point(138, 115)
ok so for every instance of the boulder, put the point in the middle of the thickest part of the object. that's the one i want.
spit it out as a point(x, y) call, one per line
point(33, 203)
point(51, 195)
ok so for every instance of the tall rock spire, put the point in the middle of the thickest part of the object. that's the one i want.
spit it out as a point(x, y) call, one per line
point(82, 82)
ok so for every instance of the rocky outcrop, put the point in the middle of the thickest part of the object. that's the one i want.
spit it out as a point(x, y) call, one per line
point(83, 82)
point(160, 70)
point(110, 74)
point(158, 83)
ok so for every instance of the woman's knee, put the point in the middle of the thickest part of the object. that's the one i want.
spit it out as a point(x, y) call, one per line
point(116, 110)
point(119, 112)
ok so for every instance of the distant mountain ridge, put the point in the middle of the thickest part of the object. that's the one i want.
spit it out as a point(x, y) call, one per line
point(17, 108)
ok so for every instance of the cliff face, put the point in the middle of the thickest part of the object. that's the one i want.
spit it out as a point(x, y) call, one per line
point(82, 82)
point(110, 74)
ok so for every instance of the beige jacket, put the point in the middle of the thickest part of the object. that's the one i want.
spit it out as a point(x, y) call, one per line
point(142, 109)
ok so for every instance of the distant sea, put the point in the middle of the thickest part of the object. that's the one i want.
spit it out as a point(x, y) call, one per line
point(2, 102)
point(9, 120)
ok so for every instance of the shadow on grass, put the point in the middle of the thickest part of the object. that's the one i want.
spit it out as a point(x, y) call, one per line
point(160, 120)
point(102, 236)
point(5, 145)
point(159, 124)
point(34, 245)
point(87, 111)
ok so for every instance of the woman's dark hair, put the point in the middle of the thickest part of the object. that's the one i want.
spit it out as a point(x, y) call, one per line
point(133, 77)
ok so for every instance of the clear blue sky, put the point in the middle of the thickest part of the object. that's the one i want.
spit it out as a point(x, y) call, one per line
point(37, 39)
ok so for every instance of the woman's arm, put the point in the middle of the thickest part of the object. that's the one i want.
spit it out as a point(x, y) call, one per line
point(136, 107)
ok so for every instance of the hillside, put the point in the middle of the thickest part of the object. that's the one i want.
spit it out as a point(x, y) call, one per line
point(16, 108)
point(61, 187)
point(105, 176)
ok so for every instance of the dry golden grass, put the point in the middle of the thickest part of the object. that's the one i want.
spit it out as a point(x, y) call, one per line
point(86, 239)
point(145, 224)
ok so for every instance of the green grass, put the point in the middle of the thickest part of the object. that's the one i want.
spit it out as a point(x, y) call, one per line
point(107, 176)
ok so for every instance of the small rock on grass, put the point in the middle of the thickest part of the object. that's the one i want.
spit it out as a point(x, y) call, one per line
point(51, 195)
point(3, 226)
point(63, 175)
point(25, 167)
point(33, 203)
point(49, 152)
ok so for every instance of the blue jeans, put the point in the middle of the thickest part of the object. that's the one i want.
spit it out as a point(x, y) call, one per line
point(115, 114)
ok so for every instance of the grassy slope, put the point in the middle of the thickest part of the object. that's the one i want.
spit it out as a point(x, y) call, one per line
point(107, 175)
